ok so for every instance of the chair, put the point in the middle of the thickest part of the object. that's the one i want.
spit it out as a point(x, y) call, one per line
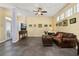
point(47, 40)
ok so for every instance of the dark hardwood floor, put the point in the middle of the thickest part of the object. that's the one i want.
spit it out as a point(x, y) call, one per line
point(33, 47)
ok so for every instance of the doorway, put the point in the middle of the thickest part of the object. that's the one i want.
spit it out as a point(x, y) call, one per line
point(8, 28)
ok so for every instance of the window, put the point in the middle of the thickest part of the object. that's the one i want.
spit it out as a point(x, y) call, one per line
point(66, 13)
point(74, 9)
point(62, 16)
point(78, 7)
point(69, 12)
point(58, 18)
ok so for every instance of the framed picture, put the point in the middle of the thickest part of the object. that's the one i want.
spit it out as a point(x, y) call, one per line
point(34, 25)
point(30, 25)
point(65, 23)
point(45, 25)
point(57, 24)
point(73, 20)
point(50, 25)
point(39, 25)
point(60, 23)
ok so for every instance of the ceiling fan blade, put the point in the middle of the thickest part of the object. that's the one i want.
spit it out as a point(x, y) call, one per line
point(44, 11)
point(35, 11)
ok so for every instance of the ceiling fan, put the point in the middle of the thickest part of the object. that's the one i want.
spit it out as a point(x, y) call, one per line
point(39, 11)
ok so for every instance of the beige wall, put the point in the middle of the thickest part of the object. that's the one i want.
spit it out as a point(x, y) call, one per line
point(21, 19)
point(54, 24)
point(71, 28)
point(3, 12)
point(2, 25)
point(35, 31)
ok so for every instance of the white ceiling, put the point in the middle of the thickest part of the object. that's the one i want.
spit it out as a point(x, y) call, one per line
point(27, 8)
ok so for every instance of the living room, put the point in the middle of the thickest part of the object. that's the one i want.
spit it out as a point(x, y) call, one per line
point(42, 32)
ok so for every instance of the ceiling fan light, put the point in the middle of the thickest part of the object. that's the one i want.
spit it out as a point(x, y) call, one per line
point(39, 13)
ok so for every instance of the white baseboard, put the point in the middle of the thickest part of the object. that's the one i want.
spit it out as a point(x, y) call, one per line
point(3, 41)
point(14, 41)
point(34, 35)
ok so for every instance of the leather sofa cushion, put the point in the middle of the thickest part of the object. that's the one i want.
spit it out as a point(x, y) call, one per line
point(69, 35)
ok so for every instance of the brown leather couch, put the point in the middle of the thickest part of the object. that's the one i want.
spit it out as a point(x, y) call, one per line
point(65, 40)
